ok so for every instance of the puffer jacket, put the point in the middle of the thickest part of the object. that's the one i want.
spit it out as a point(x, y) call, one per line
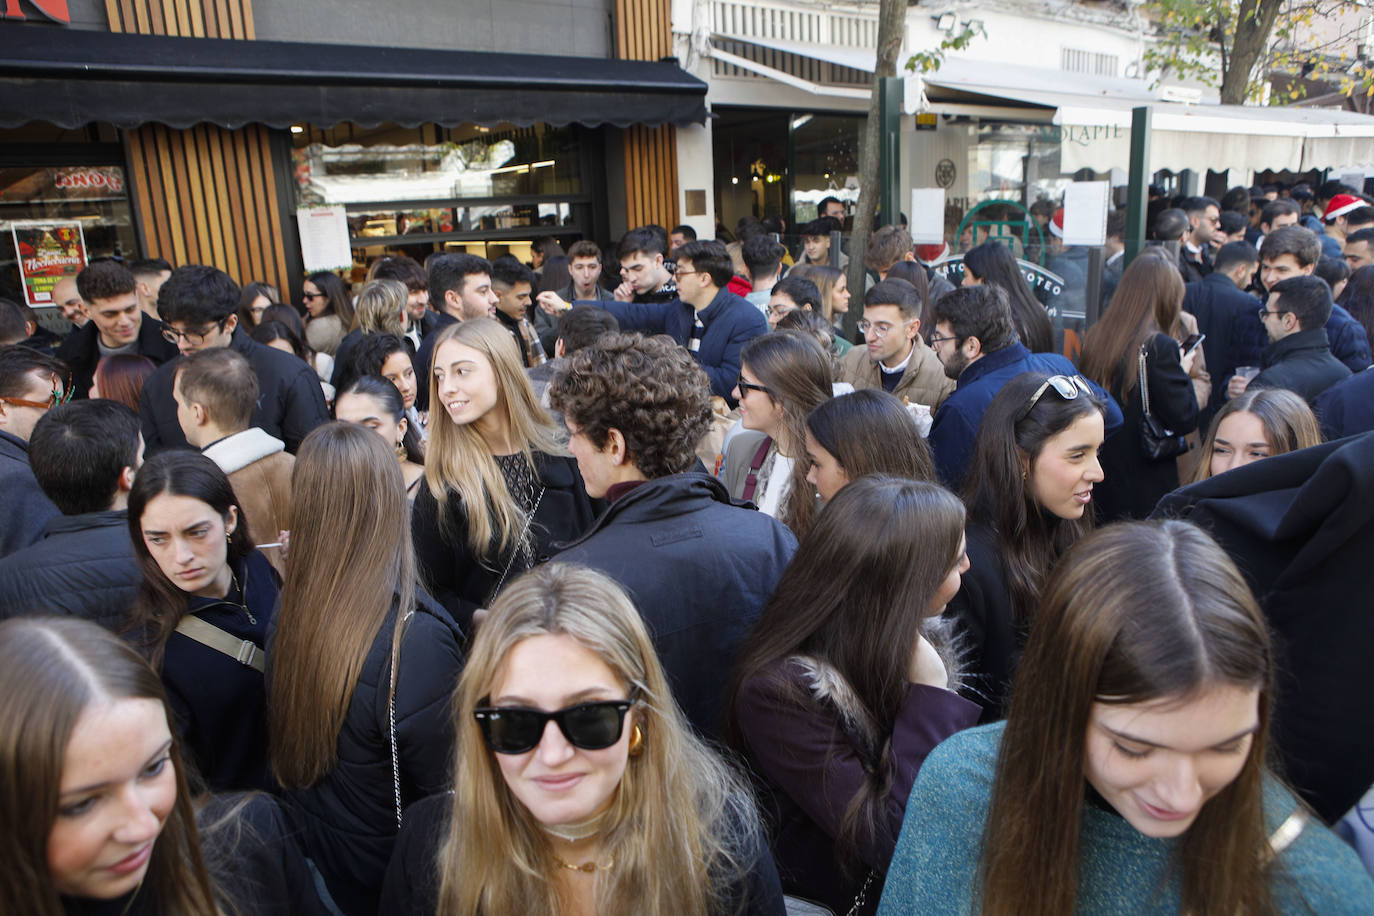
point(84, 566)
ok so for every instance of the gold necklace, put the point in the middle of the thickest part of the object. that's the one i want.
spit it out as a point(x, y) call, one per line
point(586, 867)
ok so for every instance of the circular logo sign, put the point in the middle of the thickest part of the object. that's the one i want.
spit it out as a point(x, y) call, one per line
point(945, 173)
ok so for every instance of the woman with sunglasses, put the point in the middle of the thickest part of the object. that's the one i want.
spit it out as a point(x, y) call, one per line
point(1253, 426)
point(328, 310)
point(202, 613)
point(783, 377)
point(95, 805)
point(362, 666)
point(840, 691)
point(1029, 493)
point(1143, 317)
point(579, 786)
point(1130, 776)
point(498, 492)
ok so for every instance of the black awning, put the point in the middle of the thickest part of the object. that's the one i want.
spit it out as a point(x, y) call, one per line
point(76, 77)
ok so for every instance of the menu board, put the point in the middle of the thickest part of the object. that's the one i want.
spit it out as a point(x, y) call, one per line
point(47, 252)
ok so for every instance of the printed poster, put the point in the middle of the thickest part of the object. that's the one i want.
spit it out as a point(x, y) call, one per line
point(324, 238)
point(47, 252)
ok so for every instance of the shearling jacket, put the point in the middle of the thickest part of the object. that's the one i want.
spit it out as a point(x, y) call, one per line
point(259, 470)
point(923, 382)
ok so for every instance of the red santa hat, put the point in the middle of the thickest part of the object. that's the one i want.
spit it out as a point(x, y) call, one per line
point(1340, 205)
point(929, 254)
point(1057, 223)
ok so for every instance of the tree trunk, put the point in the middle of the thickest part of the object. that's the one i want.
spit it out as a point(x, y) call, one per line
point(1254, 22)
point(891, 23)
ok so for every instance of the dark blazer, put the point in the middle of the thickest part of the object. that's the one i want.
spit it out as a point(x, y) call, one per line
point(1132, 484)
point(348, 818)
point(290, 400)
point(731, 322)
point(1302, 363)
point(812, 762)
point(1301, 528)
point(84, 566)
point(1347, 408)
point(699, 568)
point(220, 704)
point(24, 509)
point(462, 581)
point(1229, 317)
point(412, 880)
point(80, 350)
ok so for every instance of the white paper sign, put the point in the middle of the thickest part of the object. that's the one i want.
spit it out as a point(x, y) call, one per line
point(1085, 212)
point(927, 221)
point(324, 238)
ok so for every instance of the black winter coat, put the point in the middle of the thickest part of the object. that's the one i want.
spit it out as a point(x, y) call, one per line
point(290, 400)
point(348, 818)
point(1132, 483)
point(1302, 363)
point(463, 582)
point(699, 567)
point(1347, 408)
point(24, 509)
point(990, 643)
point(84, 566)
point(220, 704)
point(1229, 317)
point(81, 352)
point(1301, 528)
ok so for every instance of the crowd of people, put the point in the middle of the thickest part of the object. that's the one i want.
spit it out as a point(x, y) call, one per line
point(624, 582)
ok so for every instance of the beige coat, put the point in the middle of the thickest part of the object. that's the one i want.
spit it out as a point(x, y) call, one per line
point(924, 381)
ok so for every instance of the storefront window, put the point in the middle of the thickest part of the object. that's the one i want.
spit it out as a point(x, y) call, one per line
point(825, 151)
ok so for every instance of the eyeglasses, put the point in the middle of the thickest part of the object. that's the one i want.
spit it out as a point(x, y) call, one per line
point(879, 328)
point(750, 386)
point(313, 296)
point(61, 394)
point(517, 730)
point(934, 339)
point(1067, 387)
point(194, 338)
point(687, 273)
point(1268, 311)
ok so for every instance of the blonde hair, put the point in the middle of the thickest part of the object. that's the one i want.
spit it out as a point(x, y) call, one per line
point(379, 307)
point(351, 560)
point(681, 825)
point(459, 462)
point(1288, 422)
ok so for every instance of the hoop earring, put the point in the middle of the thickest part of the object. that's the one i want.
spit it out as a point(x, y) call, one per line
point(636, 740)
point(401, 450)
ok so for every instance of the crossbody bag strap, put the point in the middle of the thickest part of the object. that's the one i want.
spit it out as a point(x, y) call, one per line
point(751, 481)
point(1143, 383)
point(391, 716)
point(244, 651)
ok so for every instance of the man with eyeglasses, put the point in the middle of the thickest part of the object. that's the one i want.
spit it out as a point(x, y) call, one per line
point(198, 305)
point(1298, 357)
point(894, 357)
point(117, 326)
point(975, 339)
point(1294, 252)
point(30, 384)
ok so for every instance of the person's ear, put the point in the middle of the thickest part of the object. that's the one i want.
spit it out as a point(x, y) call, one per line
point(972, 346)
point(231, 521)
point(126, 479)
point(913, 329)
point(404, 426)
point(616, 447)
point(559, 350)
point(230, 323)
point(200, 413)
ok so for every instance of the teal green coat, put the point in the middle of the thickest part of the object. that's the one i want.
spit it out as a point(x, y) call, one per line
point(1121, 871)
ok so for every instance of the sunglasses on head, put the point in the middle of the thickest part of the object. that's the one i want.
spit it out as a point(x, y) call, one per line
point(1067, 387)
point(517, 730)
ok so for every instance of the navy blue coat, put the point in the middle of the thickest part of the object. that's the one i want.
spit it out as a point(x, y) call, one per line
point(1347, 408)
point(80, 351)
point(24, 509)
point(84, 566)
point(1349, 340)
point(699, 567)
point(1302, 363)
point(731, 322)
point(955, 427)
point(1229, 317)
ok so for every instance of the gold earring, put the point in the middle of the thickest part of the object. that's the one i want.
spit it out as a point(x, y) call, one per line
point(636, 740)
point(401, 450)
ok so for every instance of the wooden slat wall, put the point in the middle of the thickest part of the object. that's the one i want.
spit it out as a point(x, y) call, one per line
point(644, 32)
point(205, 195)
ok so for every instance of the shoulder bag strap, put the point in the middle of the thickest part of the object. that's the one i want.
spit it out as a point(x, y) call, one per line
point(243, 651)
point(391, 715)
point(751, 481)
point(1143, 383)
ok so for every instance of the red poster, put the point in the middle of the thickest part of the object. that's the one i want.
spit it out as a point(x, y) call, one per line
point(47, 252)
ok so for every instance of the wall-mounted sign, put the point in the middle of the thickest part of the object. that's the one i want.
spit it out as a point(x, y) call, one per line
point(1037, 278)
point(945, 173)
point(52, 10)
point(48, 251)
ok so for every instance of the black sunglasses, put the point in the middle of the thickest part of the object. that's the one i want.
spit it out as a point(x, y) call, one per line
point(750, 386)
point(517, 730)
point(1066, 386)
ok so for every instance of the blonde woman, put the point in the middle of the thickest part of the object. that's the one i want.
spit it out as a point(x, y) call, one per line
point(380, 309)
point(579, 786)
point(497, 493)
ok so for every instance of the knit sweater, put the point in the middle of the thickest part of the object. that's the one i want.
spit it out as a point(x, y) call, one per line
point(1120, 870)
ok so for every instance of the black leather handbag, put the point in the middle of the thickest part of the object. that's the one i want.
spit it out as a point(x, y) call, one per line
point(1158, 442)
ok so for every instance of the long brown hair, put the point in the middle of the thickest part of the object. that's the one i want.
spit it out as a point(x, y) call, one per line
point(1147, 301)
point(997, 489)
point(1133, 613)
point(855, 596)
point(796, 372)
point(869, 432)
point(51, 670)
point(1288, 422)
point(160, 604)
point(459, 462)
point(351, 562)
point(681, 824)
